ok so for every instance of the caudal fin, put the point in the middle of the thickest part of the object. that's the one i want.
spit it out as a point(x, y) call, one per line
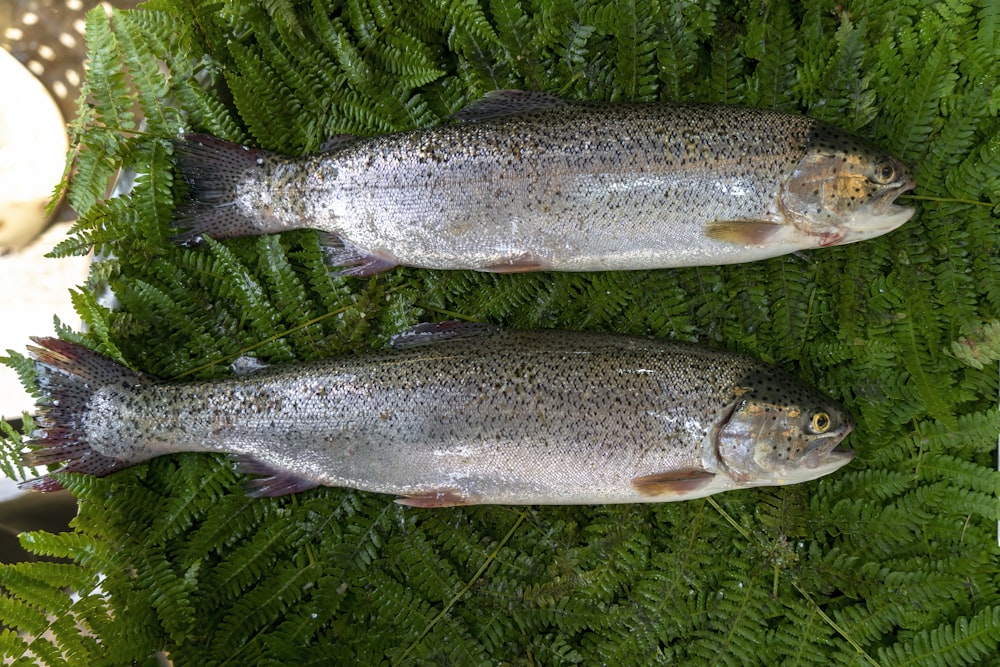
point(218, 173)
point(68, 374)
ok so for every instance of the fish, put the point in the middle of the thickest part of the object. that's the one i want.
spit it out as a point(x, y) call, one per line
point(457, 414)
point(527, 181)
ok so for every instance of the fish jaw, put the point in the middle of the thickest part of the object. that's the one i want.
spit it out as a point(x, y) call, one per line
point(880, 217)
point(868, 226)
point(830, 461)
point(823, 456)
point(812, 467)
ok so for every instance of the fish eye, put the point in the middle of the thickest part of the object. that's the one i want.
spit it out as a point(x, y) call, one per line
point(820, 422)
point(885, 172)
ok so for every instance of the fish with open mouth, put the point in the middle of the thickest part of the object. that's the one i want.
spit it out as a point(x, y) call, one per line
point(526, 181)
point(459, 414)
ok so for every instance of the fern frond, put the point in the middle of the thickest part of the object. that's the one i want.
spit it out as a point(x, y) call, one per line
point(964, 642)
point(263, 605)
point(891, 560)
point(727, 81)
point(935, 81)
point(282, 12)
point(630, 28)
point(408, 60)
point(98, 156)
point(771, 38)
point(981, 347)
point(106, 82)
point(850, 102)
point(148, 81)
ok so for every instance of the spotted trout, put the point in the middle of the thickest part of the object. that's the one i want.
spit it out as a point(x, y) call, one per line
point(459, 415)
point(528, 181)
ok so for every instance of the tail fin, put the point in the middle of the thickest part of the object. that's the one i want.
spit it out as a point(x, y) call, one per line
point(218, 173)
point(68, 374)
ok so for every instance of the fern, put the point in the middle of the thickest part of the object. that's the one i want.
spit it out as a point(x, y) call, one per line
point(771, 36)
point(965, 642)
point(727, 70)
point(847, 99)
point(890, 561)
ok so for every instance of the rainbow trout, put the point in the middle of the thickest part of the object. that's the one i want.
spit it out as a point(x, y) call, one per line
point(529, 181)
point(459, 415)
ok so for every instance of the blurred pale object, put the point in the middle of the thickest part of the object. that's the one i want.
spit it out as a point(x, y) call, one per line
point(33, 149)
point(33, 288)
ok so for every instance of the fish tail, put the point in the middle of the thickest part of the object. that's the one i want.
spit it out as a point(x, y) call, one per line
point(68, 374)
point(219, 174)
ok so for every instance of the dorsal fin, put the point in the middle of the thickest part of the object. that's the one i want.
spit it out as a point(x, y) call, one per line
point(498, 103)
point(245, 364)
point(436, 332)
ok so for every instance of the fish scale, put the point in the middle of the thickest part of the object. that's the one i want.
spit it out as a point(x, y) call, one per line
point(542, 183)
point(461, 414)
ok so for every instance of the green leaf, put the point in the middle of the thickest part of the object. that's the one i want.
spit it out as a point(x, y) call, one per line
point(892, 560)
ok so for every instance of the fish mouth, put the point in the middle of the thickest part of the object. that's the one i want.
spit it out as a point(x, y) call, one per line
point(885, 212)
point(826, 451)
point(882, 215)
point(829, 456)
point(842, 454)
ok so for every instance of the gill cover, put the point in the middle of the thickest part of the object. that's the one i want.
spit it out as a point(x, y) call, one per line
point(844, 189)
point(781, 431)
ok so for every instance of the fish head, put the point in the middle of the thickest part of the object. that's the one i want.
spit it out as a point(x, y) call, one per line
point(843, 190)
point(780, 431)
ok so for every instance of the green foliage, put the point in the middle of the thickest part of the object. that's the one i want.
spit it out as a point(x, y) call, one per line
point(891, 561)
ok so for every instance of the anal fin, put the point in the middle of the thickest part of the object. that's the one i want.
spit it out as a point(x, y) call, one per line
point(440, 498)
point(675, 482)
point(272, 482)
point(351, 260)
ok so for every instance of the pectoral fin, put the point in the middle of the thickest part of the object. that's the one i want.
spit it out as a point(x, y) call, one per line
point(674, 483)
point(441, 498)
point(741, 232)
point(524, 263)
